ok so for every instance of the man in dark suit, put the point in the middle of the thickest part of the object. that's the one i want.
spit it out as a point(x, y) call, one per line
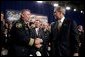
point(81, 39)
point(21, 36)
point(40, 41)
point(3, 37)
point(63, 35)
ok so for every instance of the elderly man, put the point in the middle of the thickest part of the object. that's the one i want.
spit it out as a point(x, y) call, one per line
point(63, 35)
point(20, 33)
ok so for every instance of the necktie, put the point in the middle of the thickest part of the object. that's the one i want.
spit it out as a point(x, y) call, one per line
point(59, 25)
point(37, 31)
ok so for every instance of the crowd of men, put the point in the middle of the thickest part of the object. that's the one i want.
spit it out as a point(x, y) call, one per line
point(27, 38)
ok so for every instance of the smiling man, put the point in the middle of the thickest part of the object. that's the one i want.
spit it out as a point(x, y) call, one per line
point(21, 35)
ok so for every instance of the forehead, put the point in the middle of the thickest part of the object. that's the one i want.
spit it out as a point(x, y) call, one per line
point(80, 26)
point(56, 11)
point(37, 21)
point(26, 12)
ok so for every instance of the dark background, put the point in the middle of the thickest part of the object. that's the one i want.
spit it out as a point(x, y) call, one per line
point(44, 9)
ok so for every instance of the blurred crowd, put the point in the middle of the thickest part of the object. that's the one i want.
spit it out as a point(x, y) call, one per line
point(14, 41)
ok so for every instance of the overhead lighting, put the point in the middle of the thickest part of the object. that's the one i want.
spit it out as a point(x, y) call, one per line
point(81, 11)
point(74, 9)
point(39, 1)
point(55, 5)
point(68, 8)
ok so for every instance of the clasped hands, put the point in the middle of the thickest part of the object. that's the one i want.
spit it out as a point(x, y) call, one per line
point(38, 42)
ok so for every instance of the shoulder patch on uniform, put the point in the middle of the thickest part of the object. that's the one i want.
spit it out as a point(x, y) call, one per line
point(18, 25)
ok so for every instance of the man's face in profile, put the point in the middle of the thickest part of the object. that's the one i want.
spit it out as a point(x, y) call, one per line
point(26, 15)
point(2, 16)
point(58, 15)
point(80, 28)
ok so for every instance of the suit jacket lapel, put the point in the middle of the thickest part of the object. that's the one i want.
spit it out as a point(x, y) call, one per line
point(56, 26)
point(39, 32)
point(64, 25)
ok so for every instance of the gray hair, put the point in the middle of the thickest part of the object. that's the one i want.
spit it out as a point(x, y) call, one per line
point(60, 9)
point(25, 10)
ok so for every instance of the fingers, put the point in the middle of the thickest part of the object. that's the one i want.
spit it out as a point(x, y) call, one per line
point(38, 46)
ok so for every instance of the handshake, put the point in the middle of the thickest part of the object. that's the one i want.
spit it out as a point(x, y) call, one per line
point(38, 42)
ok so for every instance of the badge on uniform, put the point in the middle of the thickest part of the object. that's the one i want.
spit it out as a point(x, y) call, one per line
point(18, 25)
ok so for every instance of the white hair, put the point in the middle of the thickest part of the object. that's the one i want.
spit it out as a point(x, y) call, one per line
point(59, 8)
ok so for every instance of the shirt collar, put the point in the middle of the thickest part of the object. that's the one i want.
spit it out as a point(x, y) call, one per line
point(62, 19)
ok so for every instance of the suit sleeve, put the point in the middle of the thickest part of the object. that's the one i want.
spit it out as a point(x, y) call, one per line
point(20, 35)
